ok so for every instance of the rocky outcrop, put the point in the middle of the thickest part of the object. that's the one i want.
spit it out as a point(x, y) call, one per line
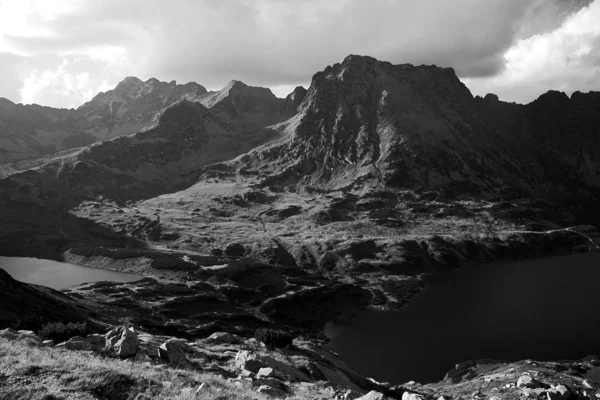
point(173, 353)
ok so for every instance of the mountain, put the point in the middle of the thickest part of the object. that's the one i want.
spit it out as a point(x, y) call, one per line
point(28, 131)
point(367, 123)
point(249, 106)
point(160, 159)
point(567, 126)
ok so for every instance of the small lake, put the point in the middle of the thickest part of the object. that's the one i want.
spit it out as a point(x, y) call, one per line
point(544, 309)
point(59, 275)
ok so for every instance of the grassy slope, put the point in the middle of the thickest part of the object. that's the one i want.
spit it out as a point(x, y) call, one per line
point(28, 372)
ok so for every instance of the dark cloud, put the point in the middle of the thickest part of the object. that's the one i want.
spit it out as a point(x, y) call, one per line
point(276, 42)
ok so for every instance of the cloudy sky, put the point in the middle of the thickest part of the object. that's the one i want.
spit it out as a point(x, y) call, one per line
point(62, 52)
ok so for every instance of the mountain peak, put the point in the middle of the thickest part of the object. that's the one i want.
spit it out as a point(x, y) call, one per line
point(236, 84)
point(127, 84)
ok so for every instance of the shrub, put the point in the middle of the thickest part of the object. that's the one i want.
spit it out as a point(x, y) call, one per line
point(60, 332)
point(273, 338)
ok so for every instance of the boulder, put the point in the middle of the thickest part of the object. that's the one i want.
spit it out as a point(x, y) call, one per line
point(558, 392)
point(234, 250)
point(172, 353)
point(224, 337)
point(48, 343)
point(527, 382)
point(264, 373)
point(271, 391)
point(247, 360)
point(128, 344)
point(375, 395)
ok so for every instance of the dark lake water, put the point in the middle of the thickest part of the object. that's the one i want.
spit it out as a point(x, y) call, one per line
point(544, 309)
point(59, 275)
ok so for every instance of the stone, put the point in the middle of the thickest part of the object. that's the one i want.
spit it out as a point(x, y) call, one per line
point(128, 344)
point(350, 395)
point(224, 337)
point(271, 391)
point(48, 343)
point(527, 382)
point(234, 250)
point(246, 374)
point(375, 395)
point(98, 341)
point(558, 392)
point(586, 384)
point(172, 353)
point(247, 360)
point(264, 373)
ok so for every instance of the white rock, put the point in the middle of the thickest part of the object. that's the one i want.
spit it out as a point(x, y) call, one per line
point(375, 395)
point(264, 372)
point(48, 343)
point(224, 337)
point(128, 343)
point(526, 381)
point(586, 384)
point(558, 392)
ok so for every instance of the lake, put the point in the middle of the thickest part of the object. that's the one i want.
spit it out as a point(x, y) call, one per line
point(59, 275)
point(544, 309)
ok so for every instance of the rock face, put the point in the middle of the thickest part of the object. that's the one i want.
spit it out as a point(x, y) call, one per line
point(367, 122)
point(122, 341)
point(172, 353)
point(567, 125)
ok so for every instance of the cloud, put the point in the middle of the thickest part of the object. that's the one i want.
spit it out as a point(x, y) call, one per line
point(566, 58)
point(67, 86)
point(272, 43)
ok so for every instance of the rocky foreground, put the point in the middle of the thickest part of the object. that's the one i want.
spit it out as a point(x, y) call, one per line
point(125, 364)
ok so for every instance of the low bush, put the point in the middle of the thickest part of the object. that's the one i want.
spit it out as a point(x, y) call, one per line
point(273, 338)
point(60, 332)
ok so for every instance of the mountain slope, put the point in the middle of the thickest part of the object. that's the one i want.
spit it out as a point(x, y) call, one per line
point(249, 106)
point(366, 122)
point(568, 126)
point(163, 158)
point(31, 130)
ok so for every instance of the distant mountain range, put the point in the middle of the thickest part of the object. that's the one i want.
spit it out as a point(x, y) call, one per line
point(29, 131)
point(362, 123)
